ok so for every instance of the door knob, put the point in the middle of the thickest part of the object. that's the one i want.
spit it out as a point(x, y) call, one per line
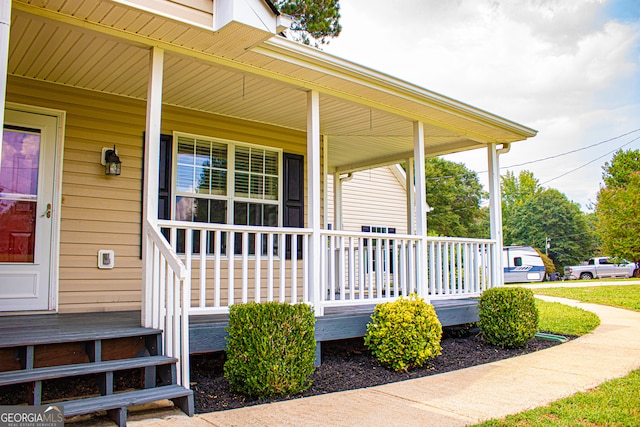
point(48, 212)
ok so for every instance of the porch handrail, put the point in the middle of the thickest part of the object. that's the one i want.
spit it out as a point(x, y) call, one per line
point(168, 295)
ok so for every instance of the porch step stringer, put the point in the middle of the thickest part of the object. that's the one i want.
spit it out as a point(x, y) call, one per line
point(31, 348)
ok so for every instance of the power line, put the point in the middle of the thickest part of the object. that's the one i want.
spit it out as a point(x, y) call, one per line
point(437, 178)
point(574, 151)
point(588, 163)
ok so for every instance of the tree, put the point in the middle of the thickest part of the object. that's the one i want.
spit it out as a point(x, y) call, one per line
point(454, 193)
point(548, 213)
point(618, 206)
point(314, 21)
point(623, 164)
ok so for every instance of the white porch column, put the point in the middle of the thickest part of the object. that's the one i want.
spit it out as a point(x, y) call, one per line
point(337, 201)
point(313, 182)
point(495, 212)
point(151, 169)
point(421, 209)
point(5, 23)
point(410, 197)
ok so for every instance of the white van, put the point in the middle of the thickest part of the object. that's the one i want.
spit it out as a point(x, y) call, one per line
point(522, 264)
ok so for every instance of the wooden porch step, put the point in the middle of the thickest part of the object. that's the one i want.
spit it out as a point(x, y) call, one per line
point(18, 337)
point(116, 404)
point(43, 374)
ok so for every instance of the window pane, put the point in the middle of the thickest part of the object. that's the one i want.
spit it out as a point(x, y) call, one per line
point(17, 234)
point(242, 184)
point(257, 187)
point(186, 208)
point(184, 179)
point(19, 157)
point(255, 214)
point(203, 180)
point(219, 182)
point(203, 153)
point(270, 215)
point(257, 161)
point(271, 163)
point(271, 187)
point(219, 155)
point(240, 210)
point(242, 158)
point(185, 151)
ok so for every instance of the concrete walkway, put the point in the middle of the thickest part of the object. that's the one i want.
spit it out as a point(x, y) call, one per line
point(458, 398)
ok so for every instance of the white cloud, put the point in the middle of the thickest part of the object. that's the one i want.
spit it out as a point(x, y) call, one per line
point(563, 67)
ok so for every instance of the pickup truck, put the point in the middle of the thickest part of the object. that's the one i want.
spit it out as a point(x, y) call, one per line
point(599, 268)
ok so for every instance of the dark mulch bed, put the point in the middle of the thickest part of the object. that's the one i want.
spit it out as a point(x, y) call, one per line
point(348, 365)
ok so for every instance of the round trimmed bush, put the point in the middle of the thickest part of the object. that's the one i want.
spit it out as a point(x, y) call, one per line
point(271, 348)
point(508, 316)
point(404, 334)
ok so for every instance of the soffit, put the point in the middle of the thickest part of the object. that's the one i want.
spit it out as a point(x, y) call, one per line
point(364, 124)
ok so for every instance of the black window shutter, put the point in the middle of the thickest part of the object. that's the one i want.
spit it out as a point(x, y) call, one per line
point(293, 196)
point(164, 177)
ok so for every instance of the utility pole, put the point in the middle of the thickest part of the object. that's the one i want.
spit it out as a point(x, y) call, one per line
point(547, 245)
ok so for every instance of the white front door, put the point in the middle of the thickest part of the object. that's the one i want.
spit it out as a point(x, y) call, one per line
point(27, 162)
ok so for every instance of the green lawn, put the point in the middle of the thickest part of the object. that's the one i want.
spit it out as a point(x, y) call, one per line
point(627, 296)
point(614, 403)
point(562, 319)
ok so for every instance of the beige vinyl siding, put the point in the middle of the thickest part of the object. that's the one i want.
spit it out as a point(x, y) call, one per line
point(373, 197)
point(102, 212)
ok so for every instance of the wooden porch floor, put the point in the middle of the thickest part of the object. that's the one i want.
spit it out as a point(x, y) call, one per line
point(207, 333)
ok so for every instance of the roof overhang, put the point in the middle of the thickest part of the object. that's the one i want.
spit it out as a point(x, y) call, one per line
point(247, 73)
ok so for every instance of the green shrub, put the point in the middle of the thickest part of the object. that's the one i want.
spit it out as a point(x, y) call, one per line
point(508, 316)
point(404, 334)
point(270, 348)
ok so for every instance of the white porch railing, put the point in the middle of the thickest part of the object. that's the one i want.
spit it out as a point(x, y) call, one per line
point(235, 264)
point(201, 269)
point(167, 293)
point(366, 268)
point(460, 267)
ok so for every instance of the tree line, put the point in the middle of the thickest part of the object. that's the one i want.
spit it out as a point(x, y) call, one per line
point(543, 218)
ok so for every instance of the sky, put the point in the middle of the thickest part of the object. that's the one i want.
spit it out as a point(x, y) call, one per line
point(568, 68)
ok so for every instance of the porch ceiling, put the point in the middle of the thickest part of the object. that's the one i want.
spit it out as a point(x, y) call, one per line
point(367, 117)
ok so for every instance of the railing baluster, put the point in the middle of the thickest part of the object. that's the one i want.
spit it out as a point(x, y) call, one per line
point(231, 272)
point(245, 267)
point(270, 267)
point(332, 268)
point(361, 287)
point(294, 268)
point(282, 247)
point(341, 264)
point(387, 268)
point(352, 267)
point(305, 269)
point(203, 262)
point(258, 266)
point(216, 266)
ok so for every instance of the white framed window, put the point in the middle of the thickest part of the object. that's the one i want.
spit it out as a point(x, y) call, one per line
point(226, 182)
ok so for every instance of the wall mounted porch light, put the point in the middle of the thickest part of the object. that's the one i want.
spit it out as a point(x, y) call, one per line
point(111, 161)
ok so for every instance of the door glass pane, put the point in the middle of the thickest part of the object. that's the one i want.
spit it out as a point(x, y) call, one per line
point(19, 157)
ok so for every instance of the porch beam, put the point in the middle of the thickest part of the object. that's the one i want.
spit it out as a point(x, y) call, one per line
point(495, 211)
point(421, 208)
point(374, 163)
point(5, 25)
point(313, 183)
point(151, 170)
